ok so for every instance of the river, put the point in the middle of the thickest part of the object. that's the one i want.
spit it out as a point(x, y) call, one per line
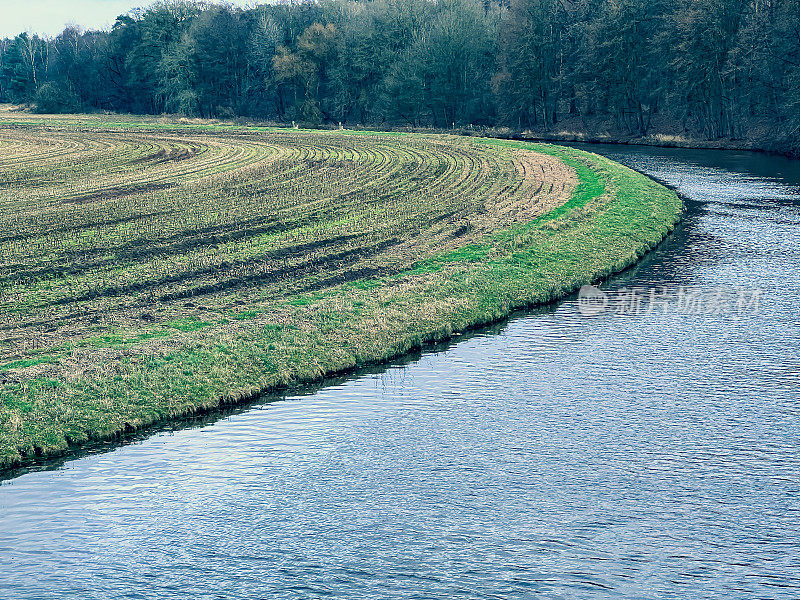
point(644, 445)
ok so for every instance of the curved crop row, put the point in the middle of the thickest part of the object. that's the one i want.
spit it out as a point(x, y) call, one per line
point(119, 223)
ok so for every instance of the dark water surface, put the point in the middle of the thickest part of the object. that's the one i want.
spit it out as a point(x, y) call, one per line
point(648, 451)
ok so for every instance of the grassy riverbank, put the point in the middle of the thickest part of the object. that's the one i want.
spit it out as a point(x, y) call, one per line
point(660, 140)
point(175, 267)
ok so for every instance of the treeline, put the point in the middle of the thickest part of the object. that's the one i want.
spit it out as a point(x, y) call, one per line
point(710, 68)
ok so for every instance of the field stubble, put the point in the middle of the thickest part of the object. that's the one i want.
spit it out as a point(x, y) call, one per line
point(152, 270)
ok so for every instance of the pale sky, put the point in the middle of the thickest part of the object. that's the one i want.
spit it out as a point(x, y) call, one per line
point(48, 17)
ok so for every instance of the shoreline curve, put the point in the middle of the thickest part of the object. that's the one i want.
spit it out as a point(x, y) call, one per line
point(614, 217)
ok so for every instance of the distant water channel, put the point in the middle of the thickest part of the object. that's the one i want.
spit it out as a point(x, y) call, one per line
point(650, 449)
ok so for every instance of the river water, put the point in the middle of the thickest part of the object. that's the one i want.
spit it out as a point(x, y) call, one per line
point(645, 445)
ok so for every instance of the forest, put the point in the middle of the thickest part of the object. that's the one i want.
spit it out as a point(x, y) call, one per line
point(702, 69)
